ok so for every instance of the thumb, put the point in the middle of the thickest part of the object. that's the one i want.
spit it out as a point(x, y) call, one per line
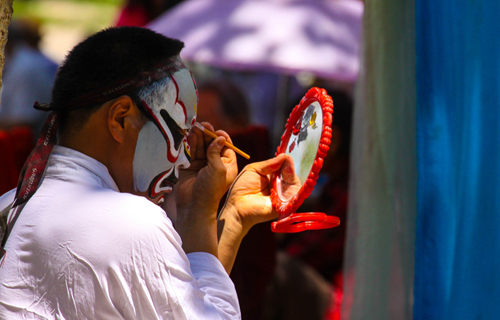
point(214, 151)
point(268, 166)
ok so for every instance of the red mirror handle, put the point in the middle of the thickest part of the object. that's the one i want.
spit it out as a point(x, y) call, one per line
point(298, 222)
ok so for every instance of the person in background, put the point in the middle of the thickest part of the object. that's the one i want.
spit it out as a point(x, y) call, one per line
point(308, 278)
point(28, 76)
point(225, 106)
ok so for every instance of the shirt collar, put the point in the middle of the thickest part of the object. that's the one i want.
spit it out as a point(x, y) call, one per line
point(72, 159)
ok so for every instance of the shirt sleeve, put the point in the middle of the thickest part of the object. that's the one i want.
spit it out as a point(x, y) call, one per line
point(215, 282)
point(168, 284)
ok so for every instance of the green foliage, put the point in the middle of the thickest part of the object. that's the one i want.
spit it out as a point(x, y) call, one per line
point(89, 15)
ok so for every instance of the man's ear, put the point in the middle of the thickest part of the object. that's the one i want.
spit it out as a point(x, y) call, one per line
point(122, 114)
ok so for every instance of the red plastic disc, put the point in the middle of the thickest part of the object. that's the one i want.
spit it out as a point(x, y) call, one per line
point(298, 222)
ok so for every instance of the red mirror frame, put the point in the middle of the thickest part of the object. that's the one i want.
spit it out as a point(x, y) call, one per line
point(288, 220)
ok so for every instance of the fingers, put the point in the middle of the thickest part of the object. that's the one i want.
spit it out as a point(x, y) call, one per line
point(200, 145)
point(269, 166)
point(288, 174)
point(194, 136)
point(225, 135)
point(199, 141)
point(207, 139)
point(214, 155)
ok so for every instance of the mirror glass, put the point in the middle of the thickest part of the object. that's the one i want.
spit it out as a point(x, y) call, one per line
point(301, 148)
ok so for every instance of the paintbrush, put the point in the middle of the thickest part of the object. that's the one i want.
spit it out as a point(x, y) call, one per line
point(227, 144)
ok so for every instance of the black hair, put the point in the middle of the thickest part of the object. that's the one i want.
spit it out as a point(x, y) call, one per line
point(105, 58)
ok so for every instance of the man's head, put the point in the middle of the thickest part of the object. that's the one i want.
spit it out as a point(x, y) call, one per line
point(128, 89)
point(108, 57)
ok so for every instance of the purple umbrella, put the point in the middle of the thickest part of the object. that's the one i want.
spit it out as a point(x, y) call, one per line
point(286, 36)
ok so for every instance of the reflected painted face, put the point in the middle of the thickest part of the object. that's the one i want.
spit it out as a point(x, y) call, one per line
point(162, 146)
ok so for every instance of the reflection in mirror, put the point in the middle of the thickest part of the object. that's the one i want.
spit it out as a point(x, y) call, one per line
point(289, 180)
point(304, 141)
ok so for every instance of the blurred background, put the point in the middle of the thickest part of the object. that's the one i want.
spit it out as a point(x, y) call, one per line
point(415, 181)
point(64, 23)
point(252, 61)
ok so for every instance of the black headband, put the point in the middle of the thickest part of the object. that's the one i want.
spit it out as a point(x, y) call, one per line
point(103, 94)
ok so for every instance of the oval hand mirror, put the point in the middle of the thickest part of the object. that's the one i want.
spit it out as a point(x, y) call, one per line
point(305, 141)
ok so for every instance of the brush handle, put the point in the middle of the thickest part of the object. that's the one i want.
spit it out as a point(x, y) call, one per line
point(227, 144)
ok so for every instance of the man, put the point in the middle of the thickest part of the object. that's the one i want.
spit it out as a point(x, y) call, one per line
point(88, 244)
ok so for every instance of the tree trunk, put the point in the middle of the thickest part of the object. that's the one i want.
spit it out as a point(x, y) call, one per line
point(5, 17)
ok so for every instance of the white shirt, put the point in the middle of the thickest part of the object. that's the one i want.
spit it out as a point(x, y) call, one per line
point(80, 249)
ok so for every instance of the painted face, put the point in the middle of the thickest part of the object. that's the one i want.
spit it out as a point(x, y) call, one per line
point(162, 146)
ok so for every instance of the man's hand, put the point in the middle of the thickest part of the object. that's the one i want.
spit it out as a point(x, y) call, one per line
point(248, 203)
point(249, 198)
point(200, 189)
point(212, 170)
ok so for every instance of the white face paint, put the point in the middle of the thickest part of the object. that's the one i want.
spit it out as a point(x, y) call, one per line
point(162, 147)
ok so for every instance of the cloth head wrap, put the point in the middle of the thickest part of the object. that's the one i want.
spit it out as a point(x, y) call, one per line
point(34, 167)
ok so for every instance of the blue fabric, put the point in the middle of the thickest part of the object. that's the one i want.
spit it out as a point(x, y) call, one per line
point(457, 269)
